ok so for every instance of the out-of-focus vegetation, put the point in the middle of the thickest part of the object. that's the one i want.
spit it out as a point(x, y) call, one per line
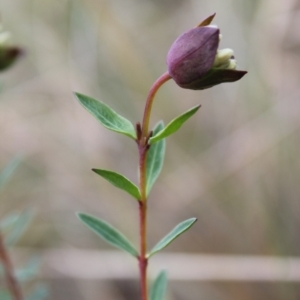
point(234, 166)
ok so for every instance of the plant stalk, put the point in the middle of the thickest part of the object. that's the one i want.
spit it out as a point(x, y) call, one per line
point(143, 261)
point(12, 283)
point(147, 112)
point(143, 146)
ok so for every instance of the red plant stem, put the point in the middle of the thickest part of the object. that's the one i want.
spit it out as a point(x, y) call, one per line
point(147, 112)
point(143, 261)
point(142, 141)
point(10, 278)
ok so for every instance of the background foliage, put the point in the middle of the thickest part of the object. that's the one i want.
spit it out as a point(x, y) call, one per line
point(234, 166)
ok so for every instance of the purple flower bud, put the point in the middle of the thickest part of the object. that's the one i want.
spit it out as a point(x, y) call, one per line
point(8, 56)
point(194, 61)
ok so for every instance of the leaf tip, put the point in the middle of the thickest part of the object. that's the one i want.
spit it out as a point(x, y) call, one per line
point(76, 94)
point(80, 215)
point(193, 221)
point(161, 123)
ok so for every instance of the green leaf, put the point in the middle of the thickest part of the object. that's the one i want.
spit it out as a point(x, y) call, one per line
point(108, 233)
point(29, 271)
point(39, 292)
point(159, 287)
point(174, 125)
point(106, 116)
point(172, 235)
point(8, 171)
point(155, 159)
point(19, 227)
point(120, 182)
point(8, 221)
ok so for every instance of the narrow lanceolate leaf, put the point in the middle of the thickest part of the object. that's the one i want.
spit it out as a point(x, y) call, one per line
point(174, 125)
point(8, 221)
point(172, 235)
point(18, 228)
point(120, 182)
point(108, 233)
point(8, 171)
point(155, 159)
point(159, 287)
point(106, 116)
point(29, 271)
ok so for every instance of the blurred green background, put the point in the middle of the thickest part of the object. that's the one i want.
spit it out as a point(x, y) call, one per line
point(234, 165)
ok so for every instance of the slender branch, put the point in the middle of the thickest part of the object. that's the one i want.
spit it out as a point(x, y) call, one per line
point(147, 112)
point(143, 262)
point(10, 278)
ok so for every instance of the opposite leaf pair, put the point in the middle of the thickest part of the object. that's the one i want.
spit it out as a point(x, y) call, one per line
point(113, 121)
point(117, 239)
